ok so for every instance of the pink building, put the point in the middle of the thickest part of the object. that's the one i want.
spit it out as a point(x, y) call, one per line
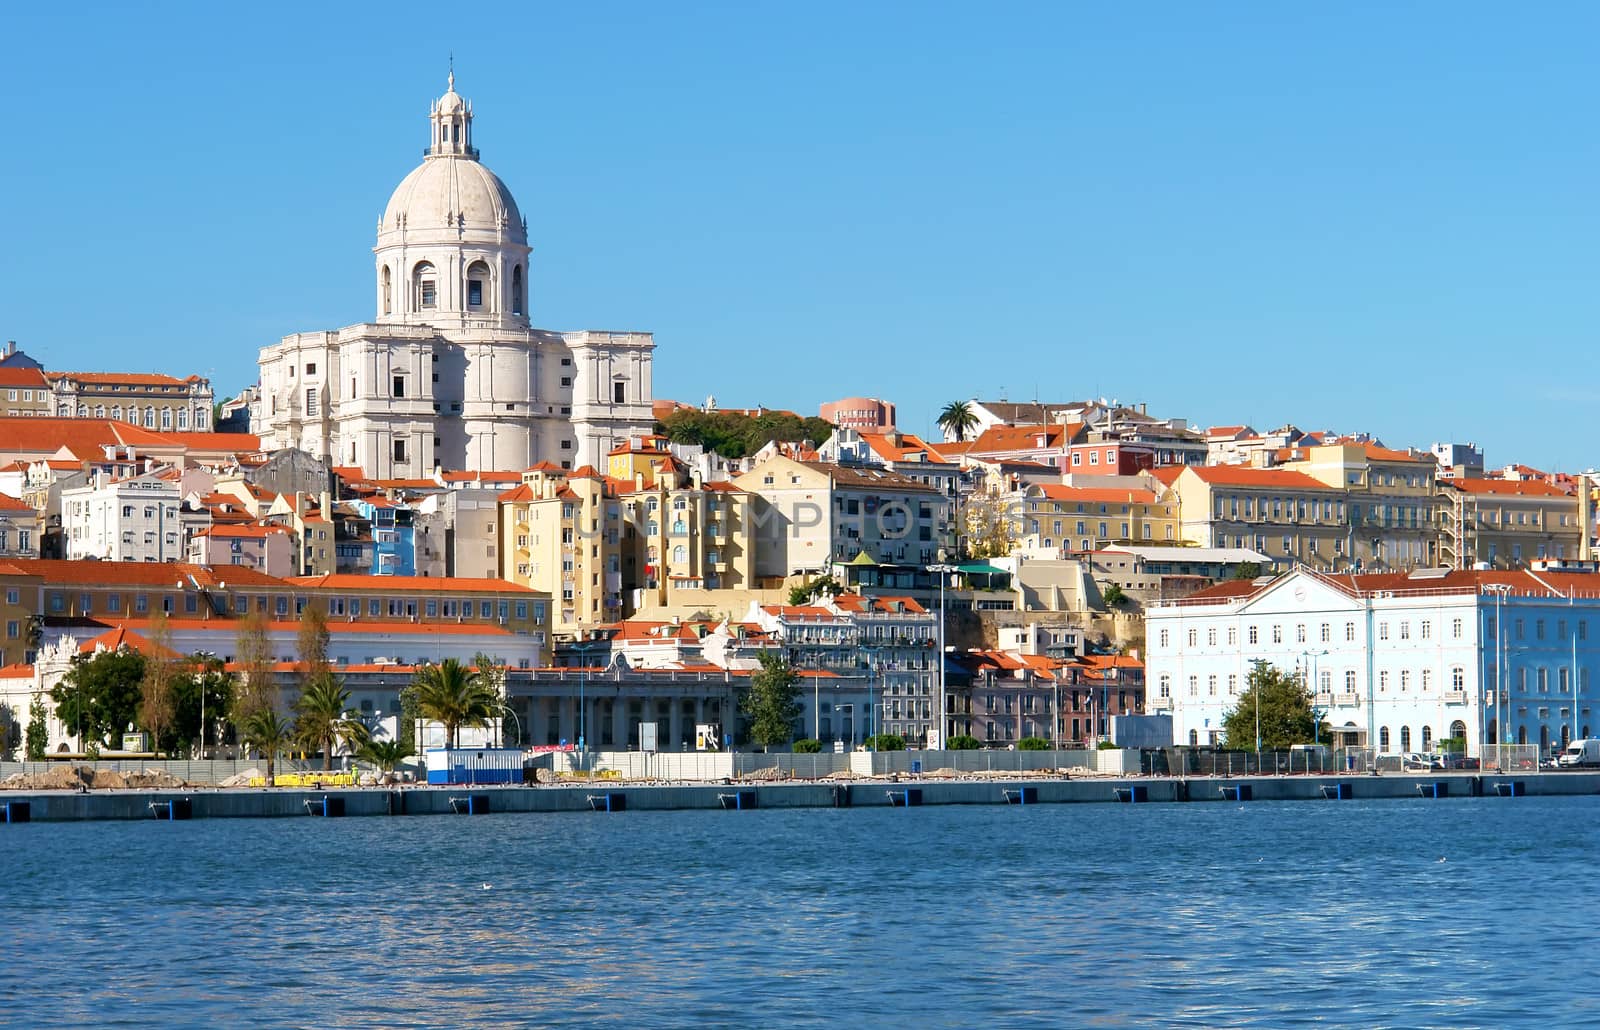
point(268, 549)
point(866, 413)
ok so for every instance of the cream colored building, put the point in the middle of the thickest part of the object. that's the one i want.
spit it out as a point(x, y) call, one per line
point(450, 373)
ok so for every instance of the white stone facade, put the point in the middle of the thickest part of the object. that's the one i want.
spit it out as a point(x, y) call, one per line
point(451, 374)
point(1401, 661)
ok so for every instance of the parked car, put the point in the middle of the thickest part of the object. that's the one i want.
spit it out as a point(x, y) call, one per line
point(1411, 761)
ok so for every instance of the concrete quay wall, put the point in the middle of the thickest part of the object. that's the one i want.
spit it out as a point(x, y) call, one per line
point(53, 806)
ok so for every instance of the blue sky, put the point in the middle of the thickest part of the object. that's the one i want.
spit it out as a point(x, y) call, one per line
point(1365, 217)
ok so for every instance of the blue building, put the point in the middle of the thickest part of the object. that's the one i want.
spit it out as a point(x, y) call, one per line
point(394, 550)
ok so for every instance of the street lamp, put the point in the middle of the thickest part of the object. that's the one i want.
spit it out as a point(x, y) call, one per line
point(515, 721)
point(1500, 590)
point(1310, 658)
point(943, 571)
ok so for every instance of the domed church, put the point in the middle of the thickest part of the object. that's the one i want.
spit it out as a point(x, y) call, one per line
point(450, 374)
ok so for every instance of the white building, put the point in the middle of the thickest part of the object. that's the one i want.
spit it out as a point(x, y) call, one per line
point(132, 519)
point(450, 373)
point(1397, 661)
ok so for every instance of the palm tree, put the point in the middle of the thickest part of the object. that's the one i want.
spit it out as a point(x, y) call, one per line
point(385, 754)
point(455, 695)
point(958, 419)
point(322, 719)
point(268, 732)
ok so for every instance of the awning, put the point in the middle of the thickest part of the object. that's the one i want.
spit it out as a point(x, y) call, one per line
point(981, 569)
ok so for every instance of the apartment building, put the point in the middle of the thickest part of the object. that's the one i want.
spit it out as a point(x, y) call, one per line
point(268, 549)
point(561, 534)
point(27, 393)
point(1506, 523)
point(808, 514)
point(132, 519)
point(1057, 519)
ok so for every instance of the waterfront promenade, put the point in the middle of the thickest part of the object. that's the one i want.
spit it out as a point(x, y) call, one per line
point(618, 797)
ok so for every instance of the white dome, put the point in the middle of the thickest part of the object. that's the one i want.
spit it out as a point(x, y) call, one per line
point(450, 192)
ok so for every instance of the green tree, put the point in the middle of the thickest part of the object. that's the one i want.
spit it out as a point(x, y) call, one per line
point(454, 695)
point(886, 742)
point(963, 742)
point(1033, 744)
point(1113, 596)
point(323, 717)
point(1285, 712)
point(10, 732)
point(385, 754)
point(492, 674)
point(771, 701)
point(813, 588)
point(734, 434)
point(807, 747)
point(206, 676)
point(266, 731)
point(311, 644)
point(958, 419)
point(99, 696)
point(1246, 570)
point(38, 732)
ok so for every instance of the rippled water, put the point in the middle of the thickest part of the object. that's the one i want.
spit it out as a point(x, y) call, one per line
point(1399, 913)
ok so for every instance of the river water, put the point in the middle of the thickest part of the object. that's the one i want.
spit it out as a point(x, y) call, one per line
point(1362, 913)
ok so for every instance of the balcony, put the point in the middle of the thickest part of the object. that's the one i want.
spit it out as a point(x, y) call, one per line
point(1160, 704)
point(1347, 700)
point(1455, 697)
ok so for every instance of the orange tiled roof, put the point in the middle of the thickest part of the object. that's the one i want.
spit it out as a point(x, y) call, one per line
point(1507, 487)
point(1244, 475)
point(23, 377)
point(124, 378)
point(1095, 495)
point(410, 584)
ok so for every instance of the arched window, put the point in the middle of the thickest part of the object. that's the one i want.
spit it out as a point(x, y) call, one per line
point(116, 412)
point(1458, 729)
point(183, 418)
point(680, 554)
point(1522, 735)
point(650, 528)
point(385, 291)
point(516, 290)
point(426, 285)
point(99, 411)
point(149, 417)
point(1383, 738)
point(679, 527)
point(478, 291)
point(1194, 738)
point(83, 411)
point(1427, 738)
point(1405, 738)
point(166, 418)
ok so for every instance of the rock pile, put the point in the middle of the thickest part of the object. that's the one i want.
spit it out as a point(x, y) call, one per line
point(83, 777)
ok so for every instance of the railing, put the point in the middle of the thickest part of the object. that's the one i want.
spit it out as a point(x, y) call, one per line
point(1347, 700)
point(1455, 697)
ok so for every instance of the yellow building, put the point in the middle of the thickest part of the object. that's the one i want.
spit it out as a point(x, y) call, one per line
point(1070, 518)
point(683, 540)
point(561, 534)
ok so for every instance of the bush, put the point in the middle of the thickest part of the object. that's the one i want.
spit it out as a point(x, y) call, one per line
point(1453, 745)
point(1105, 745)
point(807, 747)
point(1113, 596)
point(963, 743)
point(1033, 744)
point(886, 742)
